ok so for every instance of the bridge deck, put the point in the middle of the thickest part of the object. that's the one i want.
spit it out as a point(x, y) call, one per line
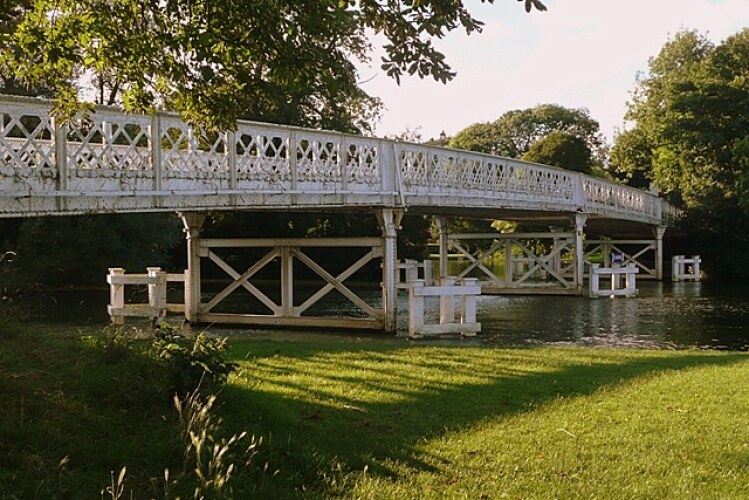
point(117, 162)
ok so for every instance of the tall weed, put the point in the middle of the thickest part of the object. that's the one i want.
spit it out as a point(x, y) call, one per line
point(200, 365)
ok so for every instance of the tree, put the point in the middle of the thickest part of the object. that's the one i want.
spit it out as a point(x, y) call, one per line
point(631, 158)
point(69, 251)
point(11, 14)
point(563, 150)
point(490, 138)
point(215, 62)
point(692, 111)
point(515, 131)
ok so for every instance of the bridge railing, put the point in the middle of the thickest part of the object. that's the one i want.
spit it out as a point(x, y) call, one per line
point(160, 162)
point(433, 170)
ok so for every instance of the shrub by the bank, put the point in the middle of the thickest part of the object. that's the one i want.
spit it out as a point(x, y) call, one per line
point(192, 365)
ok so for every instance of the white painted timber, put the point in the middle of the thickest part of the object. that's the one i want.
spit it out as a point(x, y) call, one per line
point(465, 290)
point(287, 311)
point(156, 280)
point(628, 272)
point(641, 253)
point(110, 161)
point(686, 268)
point(410, 269)
point(527, 268)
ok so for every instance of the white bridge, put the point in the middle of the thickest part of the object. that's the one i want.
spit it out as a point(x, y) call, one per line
point(110, 162)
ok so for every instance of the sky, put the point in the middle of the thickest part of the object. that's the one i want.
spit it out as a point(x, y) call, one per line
point(579, 54)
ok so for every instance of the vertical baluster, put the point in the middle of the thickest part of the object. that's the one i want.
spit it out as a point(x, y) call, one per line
point(230, 149)
point(61, 162)
point(156, 154)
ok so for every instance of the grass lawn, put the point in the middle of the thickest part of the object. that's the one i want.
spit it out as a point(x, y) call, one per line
point(375, 419)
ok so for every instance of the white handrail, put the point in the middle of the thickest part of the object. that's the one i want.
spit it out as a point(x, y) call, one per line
point(113, 161)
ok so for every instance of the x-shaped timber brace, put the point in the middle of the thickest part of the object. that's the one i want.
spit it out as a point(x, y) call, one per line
point(635, 256)
point(525, 273)
point(287, 313)
point(641, 248)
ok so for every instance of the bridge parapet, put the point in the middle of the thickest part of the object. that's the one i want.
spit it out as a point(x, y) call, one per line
point(111, 161)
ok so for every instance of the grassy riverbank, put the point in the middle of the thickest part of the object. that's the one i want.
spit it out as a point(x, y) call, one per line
point(376, 419)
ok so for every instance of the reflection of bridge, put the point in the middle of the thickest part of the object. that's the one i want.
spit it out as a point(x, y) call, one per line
point(115, 162)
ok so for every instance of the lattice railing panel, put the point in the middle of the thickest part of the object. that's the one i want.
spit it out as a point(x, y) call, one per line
point(445, 171)
point(362, 161)
point(190, 155)
point(26, 142)
point(413, 165)
point(493, 175)
point(107, 144)
point(262, 155)
point(318, 158)
point(599, 193)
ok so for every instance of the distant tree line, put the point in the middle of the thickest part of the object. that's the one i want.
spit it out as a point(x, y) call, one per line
point(690, 136)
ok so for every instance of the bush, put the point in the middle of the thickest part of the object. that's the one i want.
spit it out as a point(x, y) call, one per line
point(201, 366)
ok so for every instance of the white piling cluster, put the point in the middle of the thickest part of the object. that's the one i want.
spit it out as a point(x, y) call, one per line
point(616, 274)
point(410, 270)
point(465, 291)
point(686, 268)
point(156, 308)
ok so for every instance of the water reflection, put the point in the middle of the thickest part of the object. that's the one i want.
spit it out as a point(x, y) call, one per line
point(664, 315)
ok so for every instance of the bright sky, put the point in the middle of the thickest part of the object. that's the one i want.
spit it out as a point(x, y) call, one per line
point(580, 53)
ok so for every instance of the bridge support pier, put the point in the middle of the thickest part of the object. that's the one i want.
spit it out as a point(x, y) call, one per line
point(193, 222)
point(283, 307)
point(658, 232)
point(444, 243)
point(390, 220)
point(580, 220)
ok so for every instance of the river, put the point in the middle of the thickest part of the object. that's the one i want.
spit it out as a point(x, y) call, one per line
point(663, 315)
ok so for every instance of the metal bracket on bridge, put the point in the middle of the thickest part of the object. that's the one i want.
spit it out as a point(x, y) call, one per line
point(466, 291)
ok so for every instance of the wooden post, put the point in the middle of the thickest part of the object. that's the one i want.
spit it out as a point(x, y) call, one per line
point(415, 307)
point(658, 232)
point(428, 272)
point(157, 294)
point(287, 282)
point(629, 280)
point(193, 222)
point(580, 220)
point(389, 220)
point(557, 260)
point(156, 158)
point(117, 296)
point(508, 263)
point(61, 162)
point(447, 303)
point(468, 303)
point(231, 159)
point(696, 272)
point(441, 221)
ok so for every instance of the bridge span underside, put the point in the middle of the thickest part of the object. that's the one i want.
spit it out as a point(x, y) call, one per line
point(112, 162)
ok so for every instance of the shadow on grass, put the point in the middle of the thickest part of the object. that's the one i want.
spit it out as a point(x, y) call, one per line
point(74, 408)
point(346, 408)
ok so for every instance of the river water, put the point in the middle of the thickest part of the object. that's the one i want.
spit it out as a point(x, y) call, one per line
point(664, 315)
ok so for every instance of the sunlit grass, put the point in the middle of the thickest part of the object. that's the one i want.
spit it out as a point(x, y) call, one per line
point(385, 419)
point(408, 422)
